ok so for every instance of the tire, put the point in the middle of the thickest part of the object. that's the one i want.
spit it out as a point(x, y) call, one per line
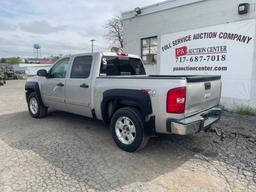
point(36, 109)
point(127, 128)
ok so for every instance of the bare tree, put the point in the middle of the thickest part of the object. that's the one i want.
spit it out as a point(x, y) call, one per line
point(114, 31)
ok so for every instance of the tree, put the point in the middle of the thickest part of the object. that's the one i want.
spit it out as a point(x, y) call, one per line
point(3, 60)
point(114, 31)
point(14, 60)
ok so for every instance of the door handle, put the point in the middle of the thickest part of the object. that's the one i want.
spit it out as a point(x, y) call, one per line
point(84, 85)
point(60, 84)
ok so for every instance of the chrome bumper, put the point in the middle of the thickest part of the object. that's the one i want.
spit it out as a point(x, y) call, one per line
point(194, 124)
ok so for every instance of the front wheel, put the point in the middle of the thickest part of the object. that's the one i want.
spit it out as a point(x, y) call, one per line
point(36, 109)
point(127, 129)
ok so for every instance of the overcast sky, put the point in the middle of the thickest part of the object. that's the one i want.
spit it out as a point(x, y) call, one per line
point(59, 26)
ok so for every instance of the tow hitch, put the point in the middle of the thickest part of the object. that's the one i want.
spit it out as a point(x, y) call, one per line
point(219, 132)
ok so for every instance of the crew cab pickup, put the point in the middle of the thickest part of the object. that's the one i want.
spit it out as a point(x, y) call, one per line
point(114, 88)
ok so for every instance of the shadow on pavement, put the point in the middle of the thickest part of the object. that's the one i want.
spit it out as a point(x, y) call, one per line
point(83, 149)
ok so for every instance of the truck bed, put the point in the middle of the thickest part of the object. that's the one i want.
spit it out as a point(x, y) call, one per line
point(199, 97)
point(189, 78)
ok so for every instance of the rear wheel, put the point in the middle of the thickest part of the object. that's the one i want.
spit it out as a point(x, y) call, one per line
point(36, 109)
point(127, 129)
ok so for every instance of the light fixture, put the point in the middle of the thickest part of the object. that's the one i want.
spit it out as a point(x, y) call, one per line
point(137, 10)
point(243, 8)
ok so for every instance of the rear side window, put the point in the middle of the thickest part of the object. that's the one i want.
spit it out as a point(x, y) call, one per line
point(116, 66)
point(81, 67)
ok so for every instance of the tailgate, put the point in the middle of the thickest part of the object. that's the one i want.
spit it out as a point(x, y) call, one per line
point(203, 92)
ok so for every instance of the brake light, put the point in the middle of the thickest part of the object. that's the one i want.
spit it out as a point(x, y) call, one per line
point(122, 54)
point(176, 100)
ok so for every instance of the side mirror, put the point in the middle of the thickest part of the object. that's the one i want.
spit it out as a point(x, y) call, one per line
point(42, 73)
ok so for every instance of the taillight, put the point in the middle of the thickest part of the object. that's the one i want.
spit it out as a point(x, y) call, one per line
point(176, 100)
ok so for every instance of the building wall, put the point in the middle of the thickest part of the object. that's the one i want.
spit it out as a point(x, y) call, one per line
point(252, 101)
point(192, 16)
point(31, 69)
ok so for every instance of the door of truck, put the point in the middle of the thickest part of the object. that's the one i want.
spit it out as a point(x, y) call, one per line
point(78, 86)
point(54, 86)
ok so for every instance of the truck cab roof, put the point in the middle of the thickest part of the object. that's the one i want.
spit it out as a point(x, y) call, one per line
point(122, 54)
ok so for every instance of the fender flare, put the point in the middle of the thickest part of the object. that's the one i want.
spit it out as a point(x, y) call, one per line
point(140, 97)
point(33, 86)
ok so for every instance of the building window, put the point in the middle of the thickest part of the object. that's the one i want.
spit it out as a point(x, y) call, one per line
point(149, 50)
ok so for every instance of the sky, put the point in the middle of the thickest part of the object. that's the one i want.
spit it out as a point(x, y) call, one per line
point(59, 26)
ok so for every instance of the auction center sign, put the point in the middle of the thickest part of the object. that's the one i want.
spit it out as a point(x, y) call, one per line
point(225, 50)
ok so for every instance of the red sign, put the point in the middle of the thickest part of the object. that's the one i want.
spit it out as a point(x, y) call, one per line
point(181, 51)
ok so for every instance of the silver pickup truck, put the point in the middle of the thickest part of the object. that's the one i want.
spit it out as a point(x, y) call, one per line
point(114, 88)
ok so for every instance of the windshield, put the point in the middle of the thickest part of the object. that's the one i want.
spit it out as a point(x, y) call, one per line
point(116, 66)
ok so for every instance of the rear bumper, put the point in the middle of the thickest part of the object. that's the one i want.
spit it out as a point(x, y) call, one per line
point(194, 124)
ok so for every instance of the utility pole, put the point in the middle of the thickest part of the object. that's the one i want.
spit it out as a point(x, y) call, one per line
point(92, 44)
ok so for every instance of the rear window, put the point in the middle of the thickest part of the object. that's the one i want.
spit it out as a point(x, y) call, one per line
point(116, 66)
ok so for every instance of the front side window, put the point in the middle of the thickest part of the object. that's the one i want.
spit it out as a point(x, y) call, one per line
point(116, 66)
point(149, 50)
point(81, 67)
point(59, 70)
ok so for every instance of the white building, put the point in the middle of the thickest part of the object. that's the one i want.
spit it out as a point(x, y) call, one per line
point(180, 37)
point(31, 69)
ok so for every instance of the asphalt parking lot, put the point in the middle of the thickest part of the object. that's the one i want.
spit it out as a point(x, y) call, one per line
point(65, 152)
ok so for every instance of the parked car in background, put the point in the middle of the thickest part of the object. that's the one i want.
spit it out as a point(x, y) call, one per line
point(114, 88)
point(21, 75)
point(2, 79)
